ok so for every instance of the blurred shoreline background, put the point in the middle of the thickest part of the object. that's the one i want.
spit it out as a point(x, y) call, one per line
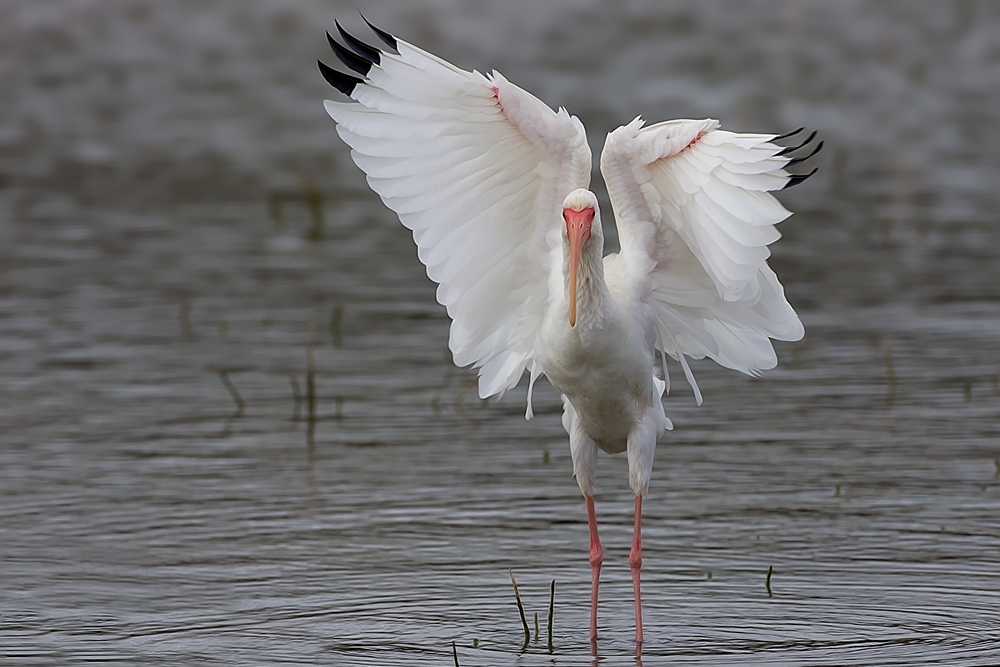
point(145, 104)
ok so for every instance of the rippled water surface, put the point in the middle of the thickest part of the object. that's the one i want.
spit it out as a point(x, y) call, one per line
point(180, 226)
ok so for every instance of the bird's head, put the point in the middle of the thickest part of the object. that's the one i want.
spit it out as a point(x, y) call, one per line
point(582, 230)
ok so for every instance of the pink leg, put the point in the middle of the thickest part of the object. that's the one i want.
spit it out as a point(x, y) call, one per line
point(635, 564)
point(596, 559)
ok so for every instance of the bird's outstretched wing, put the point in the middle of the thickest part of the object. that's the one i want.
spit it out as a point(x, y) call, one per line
point(478, 169)
point(695, 217)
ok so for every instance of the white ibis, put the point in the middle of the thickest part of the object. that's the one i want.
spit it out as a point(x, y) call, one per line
point(492, 182)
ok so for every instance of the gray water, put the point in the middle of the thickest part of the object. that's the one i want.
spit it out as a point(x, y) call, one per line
point(157, 164)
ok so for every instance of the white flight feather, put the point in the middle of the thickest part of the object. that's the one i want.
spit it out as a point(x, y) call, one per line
point(694, 216)
point(477, 168)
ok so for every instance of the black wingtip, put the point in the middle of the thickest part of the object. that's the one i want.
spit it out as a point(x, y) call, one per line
point(792, 149)
point(360, 65)
point(798, 178)
point(389, 40)
point(800, 160)
point(790, 134)
point(345, 83)
point(366, 51)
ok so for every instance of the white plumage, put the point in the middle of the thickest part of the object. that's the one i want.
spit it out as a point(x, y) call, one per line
point(492, 183)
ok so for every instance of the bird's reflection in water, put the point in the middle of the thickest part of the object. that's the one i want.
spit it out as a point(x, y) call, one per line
point(597, 658)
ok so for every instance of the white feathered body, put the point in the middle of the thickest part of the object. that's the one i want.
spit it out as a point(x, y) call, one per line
point(603, 365)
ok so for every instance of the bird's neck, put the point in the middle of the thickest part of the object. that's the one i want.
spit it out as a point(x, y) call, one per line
point(591, 289)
